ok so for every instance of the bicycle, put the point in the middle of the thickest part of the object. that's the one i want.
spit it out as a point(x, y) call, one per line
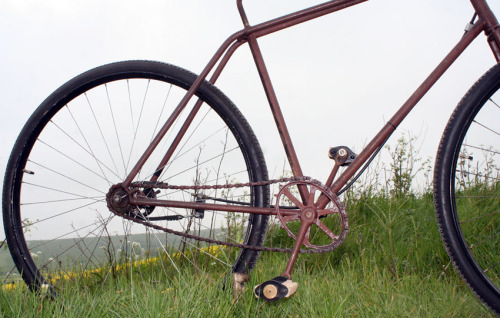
point(215, 206)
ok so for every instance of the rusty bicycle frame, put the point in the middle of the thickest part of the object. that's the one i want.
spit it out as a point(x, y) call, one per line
point(486, 22)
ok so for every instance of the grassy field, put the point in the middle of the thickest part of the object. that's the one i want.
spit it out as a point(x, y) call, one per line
point(392, 264)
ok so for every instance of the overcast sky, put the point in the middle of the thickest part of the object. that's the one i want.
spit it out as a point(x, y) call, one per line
point(338, 78)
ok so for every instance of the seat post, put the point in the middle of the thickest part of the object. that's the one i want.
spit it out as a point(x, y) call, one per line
point(243, 15)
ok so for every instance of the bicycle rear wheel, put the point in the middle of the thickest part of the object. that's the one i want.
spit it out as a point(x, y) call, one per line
point(467, 188)
point(85, 138)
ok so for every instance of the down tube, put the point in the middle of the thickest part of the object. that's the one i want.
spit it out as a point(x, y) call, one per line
point(401, 114)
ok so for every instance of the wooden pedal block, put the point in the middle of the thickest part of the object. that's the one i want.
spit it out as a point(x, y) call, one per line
point(276, 289)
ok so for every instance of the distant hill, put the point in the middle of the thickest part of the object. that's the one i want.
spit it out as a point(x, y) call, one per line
point(78, 250)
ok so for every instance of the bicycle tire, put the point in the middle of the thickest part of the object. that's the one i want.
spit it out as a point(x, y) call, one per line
point(466, 188)
point(72, 149)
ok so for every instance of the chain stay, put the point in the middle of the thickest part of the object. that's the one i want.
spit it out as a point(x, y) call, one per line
point(161, 185)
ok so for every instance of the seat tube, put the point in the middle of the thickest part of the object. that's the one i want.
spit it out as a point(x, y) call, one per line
point(276, 110)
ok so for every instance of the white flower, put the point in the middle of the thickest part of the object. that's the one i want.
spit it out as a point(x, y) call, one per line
point(45, 288)
point(136, 245)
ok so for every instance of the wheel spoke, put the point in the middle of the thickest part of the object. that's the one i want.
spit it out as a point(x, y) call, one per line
point(98, 198)
point(479, 217)
point(81, 149)
point(103, 139)
point(482, 148)
point(490, 238)
point(486, 127)
point(180, 153)
point(62, 213)
point(75, 161)
point(66, 177)
point(495, 103)
point(99, 162)
point(116, 129)
point(200, 163)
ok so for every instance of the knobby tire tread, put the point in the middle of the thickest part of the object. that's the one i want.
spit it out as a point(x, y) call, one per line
point(446, 159)
point(254, 157)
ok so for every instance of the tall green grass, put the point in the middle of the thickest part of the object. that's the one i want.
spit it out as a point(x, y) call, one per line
point(392, 264)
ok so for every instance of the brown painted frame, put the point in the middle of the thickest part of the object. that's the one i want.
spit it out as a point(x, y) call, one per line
point(487, 22)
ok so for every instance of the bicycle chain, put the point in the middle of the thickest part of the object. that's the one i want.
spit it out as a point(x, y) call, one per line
point(161, 185)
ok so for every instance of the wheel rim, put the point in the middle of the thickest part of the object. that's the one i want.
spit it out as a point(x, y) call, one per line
point(89, 145)
point(475, 184)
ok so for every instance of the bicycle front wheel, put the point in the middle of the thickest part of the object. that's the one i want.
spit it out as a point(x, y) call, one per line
point(467, 188)
point(85, 138)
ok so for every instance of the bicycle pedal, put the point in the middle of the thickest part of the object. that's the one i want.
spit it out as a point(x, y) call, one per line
point(275, 289)
point(342, 155)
